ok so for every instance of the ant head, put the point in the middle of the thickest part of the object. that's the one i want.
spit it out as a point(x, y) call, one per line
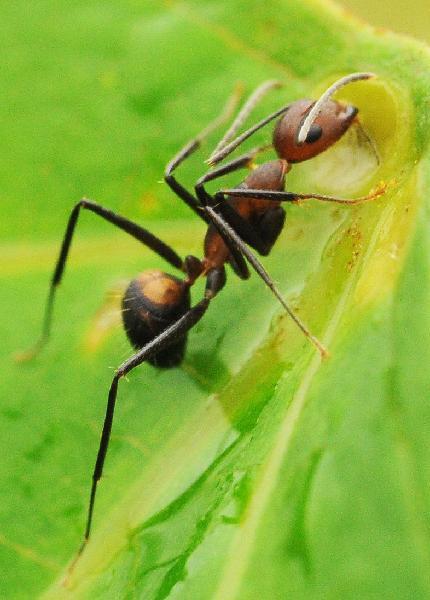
point(308, 128)
point(333, 121)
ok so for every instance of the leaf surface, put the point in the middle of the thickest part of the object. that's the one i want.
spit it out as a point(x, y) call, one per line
point(254, 470)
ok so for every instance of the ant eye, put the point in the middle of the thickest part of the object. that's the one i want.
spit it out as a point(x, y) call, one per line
point(314, 134)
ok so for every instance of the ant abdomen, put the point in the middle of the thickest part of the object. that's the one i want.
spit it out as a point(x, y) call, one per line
point(152, 302)
point(328, 127)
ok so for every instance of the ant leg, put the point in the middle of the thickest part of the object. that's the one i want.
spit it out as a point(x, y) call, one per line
point(238, 263)
point(229, 232)
point(241, 162)
point(164, 339)
point(256, 97)
point(194, 144)
point(177, 187)
point(224, 152)
point(188, 150)
point(293, 197)
point(133, 229)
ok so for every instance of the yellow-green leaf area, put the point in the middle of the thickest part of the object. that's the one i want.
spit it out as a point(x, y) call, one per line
point(254, 470)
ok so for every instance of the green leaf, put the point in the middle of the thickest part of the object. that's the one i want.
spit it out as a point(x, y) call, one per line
point(253, 470)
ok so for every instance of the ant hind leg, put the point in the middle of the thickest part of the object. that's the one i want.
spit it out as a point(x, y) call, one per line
point(139, 233)
point(152, 348)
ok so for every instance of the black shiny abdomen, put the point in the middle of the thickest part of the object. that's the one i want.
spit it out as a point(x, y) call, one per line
point(144, 319)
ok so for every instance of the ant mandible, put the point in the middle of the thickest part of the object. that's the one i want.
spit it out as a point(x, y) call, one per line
point(157, 311)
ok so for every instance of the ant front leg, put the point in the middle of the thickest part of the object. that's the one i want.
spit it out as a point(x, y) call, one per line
point(253, 100)
point(229, 148)
point(139, 233)
point(187, 151)
point(242, 162)
point(195, 143)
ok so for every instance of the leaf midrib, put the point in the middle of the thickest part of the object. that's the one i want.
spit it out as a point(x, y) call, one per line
point(243, 542)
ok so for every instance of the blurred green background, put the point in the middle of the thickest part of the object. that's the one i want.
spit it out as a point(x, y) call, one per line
point(412, 18)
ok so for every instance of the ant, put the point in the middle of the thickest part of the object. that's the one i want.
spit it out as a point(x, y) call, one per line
point(157, 310)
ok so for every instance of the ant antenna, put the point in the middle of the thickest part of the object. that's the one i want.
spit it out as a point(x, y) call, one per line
point(224, 152)
point(319, 104)
point(257, 95)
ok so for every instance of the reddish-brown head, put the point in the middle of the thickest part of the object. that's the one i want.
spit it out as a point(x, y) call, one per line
point(328, 127)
